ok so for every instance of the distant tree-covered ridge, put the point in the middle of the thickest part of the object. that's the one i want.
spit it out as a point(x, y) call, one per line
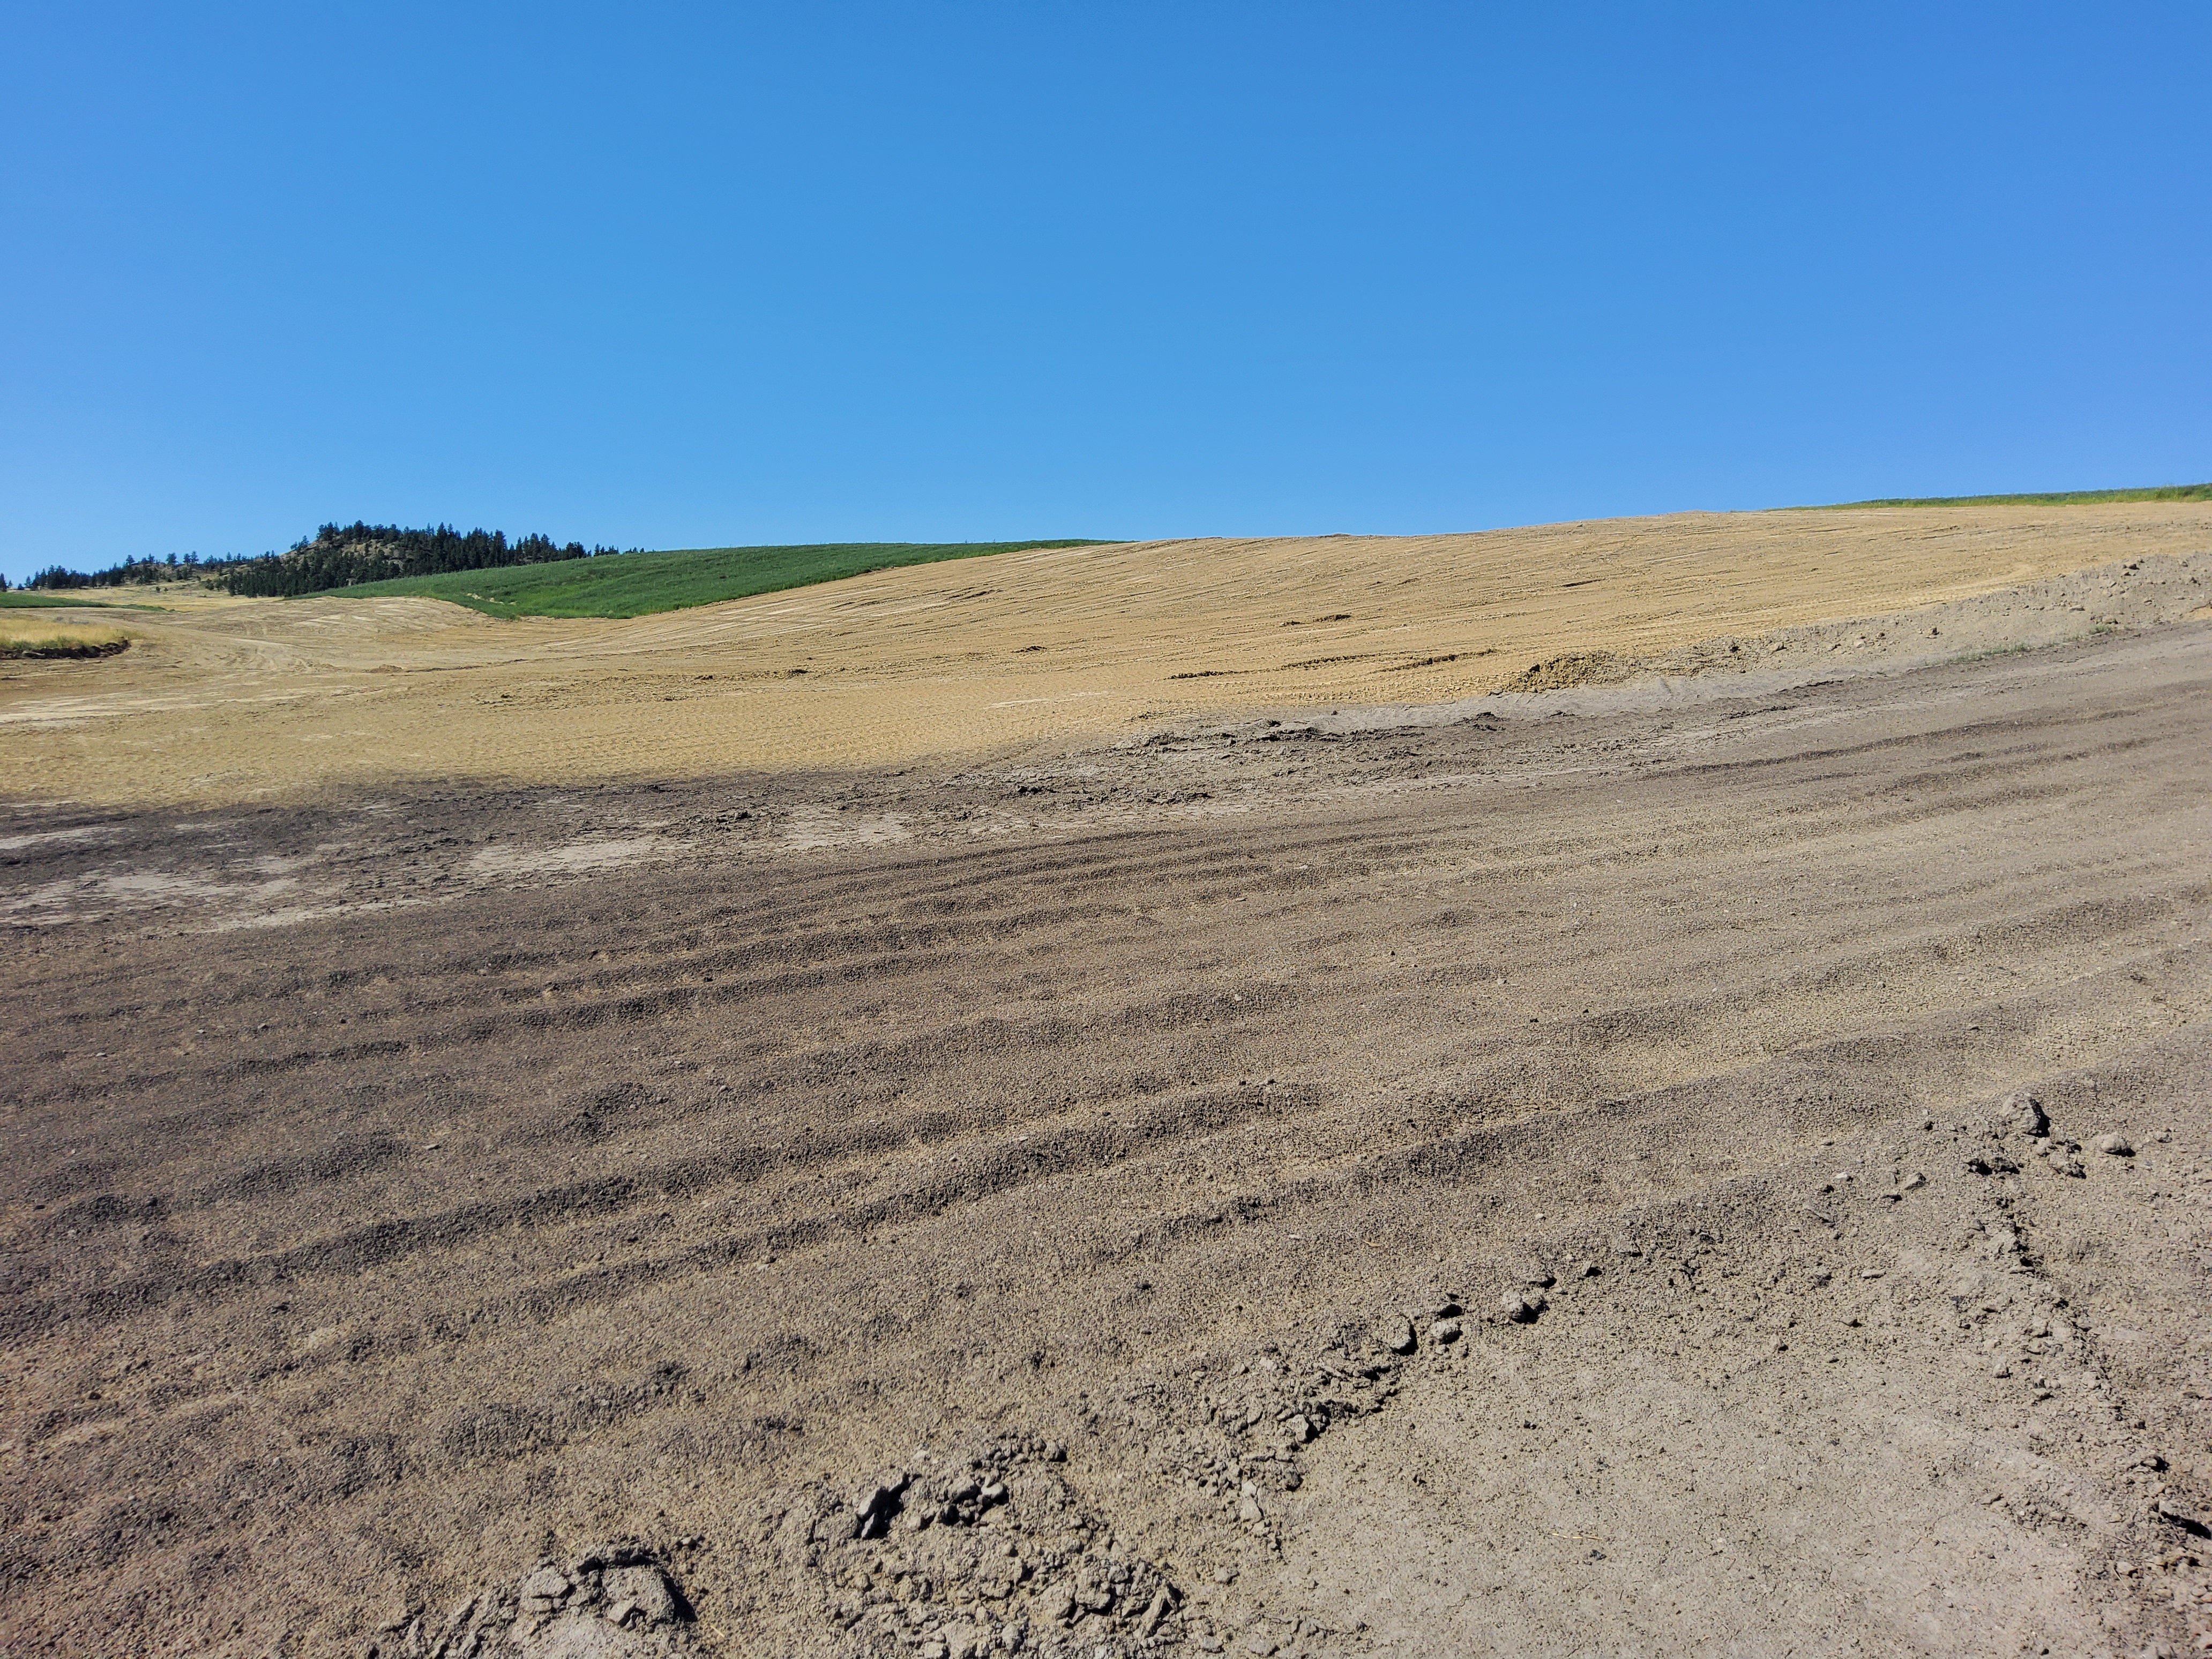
point(131, 573)
point(341, 556)
point(336, 556)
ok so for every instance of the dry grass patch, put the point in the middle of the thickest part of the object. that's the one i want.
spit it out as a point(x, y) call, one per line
point(52, 636)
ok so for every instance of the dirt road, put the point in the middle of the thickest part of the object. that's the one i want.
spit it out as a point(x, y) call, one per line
point(1330, 1185)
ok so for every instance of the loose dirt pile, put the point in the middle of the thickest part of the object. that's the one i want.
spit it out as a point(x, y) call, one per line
point(1716, 1164)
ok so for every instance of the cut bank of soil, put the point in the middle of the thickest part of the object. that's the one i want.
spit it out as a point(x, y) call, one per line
point(714, 1161)
point(57, 648)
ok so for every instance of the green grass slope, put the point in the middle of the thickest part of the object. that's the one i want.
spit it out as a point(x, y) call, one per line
point(640, 584)
point(2201, 492)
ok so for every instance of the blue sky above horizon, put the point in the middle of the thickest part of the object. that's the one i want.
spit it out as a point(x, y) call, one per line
point(679, 276)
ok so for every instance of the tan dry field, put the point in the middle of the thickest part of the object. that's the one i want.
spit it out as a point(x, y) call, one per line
point(1320, 1169)
point(267, 700)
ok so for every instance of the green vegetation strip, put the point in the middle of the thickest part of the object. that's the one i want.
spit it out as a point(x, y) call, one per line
point(2201, 492)
point(640, 584)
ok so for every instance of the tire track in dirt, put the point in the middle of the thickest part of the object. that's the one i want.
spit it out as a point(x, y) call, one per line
point(649, 1194)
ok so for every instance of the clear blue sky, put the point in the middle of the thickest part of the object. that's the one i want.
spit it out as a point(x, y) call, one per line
point(667, 275)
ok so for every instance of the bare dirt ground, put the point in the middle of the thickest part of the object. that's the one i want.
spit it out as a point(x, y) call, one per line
point(1614, 1169)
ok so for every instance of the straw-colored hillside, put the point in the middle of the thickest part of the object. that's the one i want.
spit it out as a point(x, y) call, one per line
point(230, 700)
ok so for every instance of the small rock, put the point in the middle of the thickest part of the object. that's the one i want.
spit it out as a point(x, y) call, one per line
point(1444, 1330)
point(619, 1614)
point(2027, 1111)
point(1522, 1306)
point(1249, 1508)
point(545, 1586)
point(2001, 1369)
point(1588, 1270)
point(1870, 1273)
point(1398, 1334)
point(874, 1504)
point(1301, 1428)
point(1912, 1183)
point(647, 1589)
point(1154, 1613)
point(1224, 1574)
point(2115, 1146)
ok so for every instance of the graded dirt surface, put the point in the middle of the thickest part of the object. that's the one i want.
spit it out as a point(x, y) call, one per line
point(1550, 1175)
point(270, 700)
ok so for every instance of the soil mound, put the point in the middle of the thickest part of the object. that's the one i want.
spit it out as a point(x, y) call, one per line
point(1576, 668)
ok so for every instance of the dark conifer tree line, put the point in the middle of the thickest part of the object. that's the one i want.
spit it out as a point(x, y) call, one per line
point(336, 556)
point(131, 573)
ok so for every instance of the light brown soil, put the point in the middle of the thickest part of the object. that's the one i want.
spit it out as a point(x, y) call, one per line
point(412, 1185)
point(229, 701)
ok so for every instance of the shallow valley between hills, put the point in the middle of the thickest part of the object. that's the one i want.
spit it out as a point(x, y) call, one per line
point(1702, 1149)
